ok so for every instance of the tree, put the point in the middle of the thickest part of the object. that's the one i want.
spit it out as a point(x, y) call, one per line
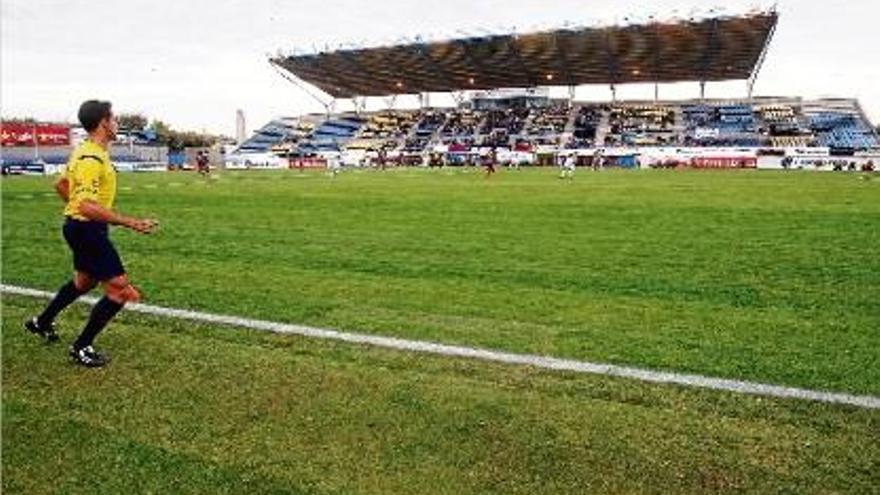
point(163, 131)
point(20, 120)
point(177, 140)
point(197, 140)
point(132, 121)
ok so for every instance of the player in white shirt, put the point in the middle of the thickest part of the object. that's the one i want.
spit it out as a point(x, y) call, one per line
point(569, 162)
point(334, 165)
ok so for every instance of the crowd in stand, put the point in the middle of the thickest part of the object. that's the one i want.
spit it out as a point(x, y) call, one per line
point(586, 126)
point(461, 124)
point(642, 125)
point(561, 124)
point(725, 125)
point(546, 125)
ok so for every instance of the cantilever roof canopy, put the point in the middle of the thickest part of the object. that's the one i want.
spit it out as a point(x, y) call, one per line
point(719, 49)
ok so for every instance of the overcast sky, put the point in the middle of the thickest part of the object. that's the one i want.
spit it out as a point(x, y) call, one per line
point(193, 63)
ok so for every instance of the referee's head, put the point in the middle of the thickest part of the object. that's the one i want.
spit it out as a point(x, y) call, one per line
point(97, 116)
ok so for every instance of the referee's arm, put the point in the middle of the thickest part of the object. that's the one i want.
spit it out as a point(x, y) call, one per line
point(62, 187)
point(95, 212)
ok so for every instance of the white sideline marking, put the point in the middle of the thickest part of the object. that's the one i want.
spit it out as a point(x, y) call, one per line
point(743, 387)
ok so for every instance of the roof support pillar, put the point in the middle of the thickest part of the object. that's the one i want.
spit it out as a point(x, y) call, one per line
point(330, 107)
point(612, 63)
point(564, 66)
point(708, 57)
point(753, 77)
point(656, 34)
point(513, 45)
point(296, 81)
point(360, 104)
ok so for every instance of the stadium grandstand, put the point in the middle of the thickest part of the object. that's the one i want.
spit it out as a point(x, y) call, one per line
point(501, 86)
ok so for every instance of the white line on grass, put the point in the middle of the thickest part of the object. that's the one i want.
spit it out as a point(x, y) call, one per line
point(743, 387)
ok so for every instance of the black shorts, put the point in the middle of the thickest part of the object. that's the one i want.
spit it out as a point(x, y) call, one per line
point(93, 253)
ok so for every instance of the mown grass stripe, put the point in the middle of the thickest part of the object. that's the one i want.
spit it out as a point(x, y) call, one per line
point(647, 375)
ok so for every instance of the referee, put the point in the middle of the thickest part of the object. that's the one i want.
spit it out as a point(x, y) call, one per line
point(88, 187)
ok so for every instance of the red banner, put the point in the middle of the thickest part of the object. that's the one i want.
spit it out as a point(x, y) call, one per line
point(23, 134)
point(307, 163)
point(724, 162)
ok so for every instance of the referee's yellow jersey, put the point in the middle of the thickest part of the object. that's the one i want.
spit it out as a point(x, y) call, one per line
point(90, 175)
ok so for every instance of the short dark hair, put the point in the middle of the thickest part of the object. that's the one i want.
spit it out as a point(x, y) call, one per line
point(92, 112)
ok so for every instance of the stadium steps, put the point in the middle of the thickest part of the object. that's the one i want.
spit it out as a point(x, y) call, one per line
point(572, 117)
point(603, 129)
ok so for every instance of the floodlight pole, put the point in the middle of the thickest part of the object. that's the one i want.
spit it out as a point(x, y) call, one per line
point(613, 93)
point(424, 100)
point(702, 90)
point(571, 95)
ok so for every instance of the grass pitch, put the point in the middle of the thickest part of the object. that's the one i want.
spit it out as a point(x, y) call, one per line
point(758, 276)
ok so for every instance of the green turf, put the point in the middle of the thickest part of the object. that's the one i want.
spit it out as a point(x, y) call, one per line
point(187, 408)
point(762, 276)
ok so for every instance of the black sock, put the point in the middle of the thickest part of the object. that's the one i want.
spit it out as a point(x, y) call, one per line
point(65, 296)
point(102, 313)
